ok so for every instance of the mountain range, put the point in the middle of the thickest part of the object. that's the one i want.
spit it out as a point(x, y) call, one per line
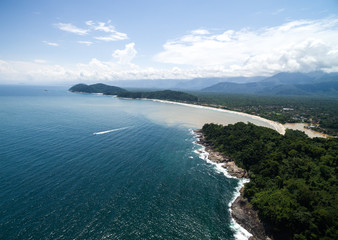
point(316, 83)
point(313, 83)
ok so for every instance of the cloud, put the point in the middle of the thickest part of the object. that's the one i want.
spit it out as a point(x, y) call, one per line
point(51, 43)
point(113, 37)
point(294, 46)
point(13, 72)
point(302, 45)
point(112, 34)
point(200, 32)
point(107, 28)
point(101, 26)
point(88, 43)
point(37, 73)
point(68, 27)
point(126, 55)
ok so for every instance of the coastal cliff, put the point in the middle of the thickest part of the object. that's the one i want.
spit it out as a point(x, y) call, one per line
point(241, 210)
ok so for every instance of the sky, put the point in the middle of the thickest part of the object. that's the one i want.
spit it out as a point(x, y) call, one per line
point(68, 41)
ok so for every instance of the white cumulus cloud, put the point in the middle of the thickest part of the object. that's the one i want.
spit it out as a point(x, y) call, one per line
point(126, 55)
point(302, 45)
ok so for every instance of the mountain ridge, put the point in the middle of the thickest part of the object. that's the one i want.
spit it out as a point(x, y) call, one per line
point(314, 83)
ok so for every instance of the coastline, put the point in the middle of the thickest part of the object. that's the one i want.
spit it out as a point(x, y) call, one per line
point(241, 211)
point(279, 127)
point(275, 125)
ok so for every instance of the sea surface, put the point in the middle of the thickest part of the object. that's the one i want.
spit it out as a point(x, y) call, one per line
point(85, 166)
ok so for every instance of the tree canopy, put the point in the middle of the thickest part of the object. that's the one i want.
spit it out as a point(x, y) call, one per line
point(293, 182)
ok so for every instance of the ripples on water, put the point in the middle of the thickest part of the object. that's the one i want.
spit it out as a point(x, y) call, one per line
point(59, 181)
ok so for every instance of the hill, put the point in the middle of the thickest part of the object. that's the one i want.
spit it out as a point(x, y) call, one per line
point(293, 182)
point(97, 88)
point(120, 92)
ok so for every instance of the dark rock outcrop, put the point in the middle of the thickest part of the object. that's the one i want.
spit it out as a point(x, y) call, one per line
point(218, 157)
point(247, 217)
point(242, 210)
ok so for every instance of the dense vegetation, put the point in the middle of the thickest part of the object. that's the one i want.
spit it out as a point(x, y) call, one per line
point(120, 92)
point(97, 88)
point(163, 95)
point(322, 113)
point(293, 182)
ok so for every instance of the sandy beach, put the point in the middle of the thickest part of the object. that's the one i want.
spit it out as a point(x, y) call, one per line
point(274, 125)
point(281, 128)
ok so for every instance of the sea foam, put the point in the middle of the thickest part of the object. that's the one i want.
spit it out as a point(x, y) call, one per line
point(240, 232)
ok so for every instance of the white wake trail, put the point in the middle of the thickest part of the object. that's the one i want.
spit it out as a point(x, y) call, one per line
point(108, 131)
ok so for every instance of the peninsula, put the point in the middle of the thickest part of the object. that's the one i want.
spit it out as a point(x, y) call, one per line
point(293, 187)
point(123, 93)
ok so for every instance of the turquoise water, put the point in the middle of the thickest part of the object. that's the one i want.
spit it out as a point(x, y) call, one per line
point(142, 181)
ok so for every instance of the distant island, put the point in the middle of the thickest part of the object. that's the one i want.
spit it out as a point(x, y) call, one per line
point(293, 182)
point(123, 93)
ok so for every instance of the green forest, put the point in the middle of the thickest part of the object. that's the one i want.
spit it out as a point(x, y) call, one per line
point(96, 88)
point(162, 95)
point(293, 178)
point(320, 112)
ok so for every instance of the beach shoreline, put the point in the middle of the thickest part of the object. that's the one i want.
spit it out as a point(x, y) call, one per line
point(241, 211)
point(275, 125)
point(279, 127)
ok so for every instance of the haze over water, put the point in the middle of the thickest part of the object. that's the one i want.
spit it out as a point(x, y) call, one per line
point(138, 179)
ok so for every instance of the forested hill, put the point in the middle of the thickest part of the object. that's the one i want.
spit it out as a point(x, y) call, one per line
point(97, 88)
point(293, 182)
point(162, 95)
point(120, 92)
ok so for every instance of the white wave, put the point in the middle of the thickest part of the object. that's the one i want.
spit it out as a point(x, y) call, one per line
point(108, 131)
point(203, 154)
point(240, 232)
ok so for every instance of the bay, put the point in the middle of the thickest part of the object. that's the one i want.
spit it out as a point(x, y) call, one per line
point(141, 178)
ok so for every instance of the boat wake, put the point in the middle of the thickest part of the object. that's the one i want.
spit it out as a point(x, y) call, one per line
point(108, 131)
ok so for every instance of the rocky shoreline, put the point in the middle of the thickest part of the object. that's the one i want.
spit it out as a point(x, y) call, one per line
point(241, 209)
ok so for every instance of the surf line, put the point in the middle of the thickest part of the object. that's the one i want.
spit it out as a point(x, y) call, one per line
point(108, 131)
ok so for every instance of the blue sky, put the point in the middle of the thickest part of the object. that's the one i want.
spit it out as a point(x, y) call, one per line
point(60, 42)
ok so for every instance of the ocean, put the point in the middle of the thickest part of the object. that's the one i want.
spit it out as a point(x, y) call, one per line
point(86, 166)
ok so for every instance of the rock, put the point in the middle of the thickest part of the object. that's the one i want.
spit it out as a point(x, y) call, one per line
point(242, 210)
point(247, 217)
point(235, 171)
point(218, 157)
